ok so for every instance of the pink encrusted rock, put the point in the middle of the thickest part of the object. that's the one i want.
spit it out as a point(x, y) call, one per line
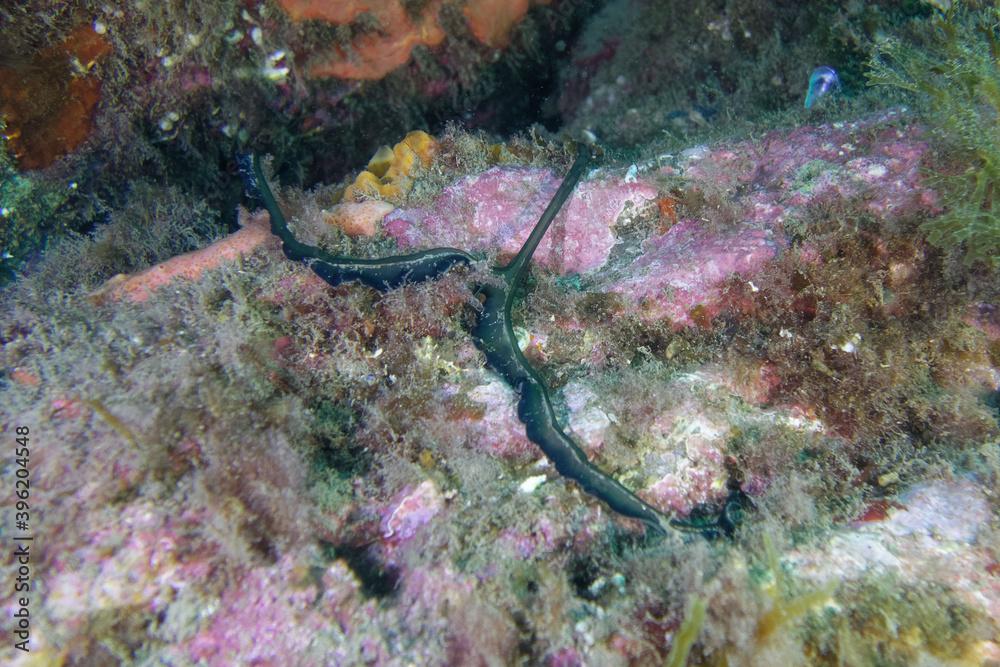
point(429, 591)
point(564, 657)
point(589, 421)
point(411, 512)
point(496, 210)
point(813, 164)
point(543, 537)
point(784, 175)
point(135, 558)
point(277, 615)
point(446, 608)
point(686, 266)
point(932, 537)
point(687, 456)
point(482, 417)
point(499, 432)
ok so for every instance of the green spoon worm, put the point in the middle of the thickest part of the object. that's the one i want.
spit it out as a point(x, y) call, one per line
point(493, 334)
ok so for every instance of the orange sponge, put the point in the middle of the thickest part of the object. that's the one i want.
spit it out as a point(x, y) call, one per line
point(49, 101)
point(375, 53)
point(338, 12)
point(492, 20)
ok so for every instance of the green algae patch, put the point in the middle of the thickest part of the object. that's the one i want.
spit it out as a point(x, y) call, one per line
point(953, 76)
point(687, 634)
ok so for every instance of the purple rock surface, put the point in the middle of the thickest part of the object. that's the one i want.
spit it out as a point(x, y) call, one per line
point(496, 210)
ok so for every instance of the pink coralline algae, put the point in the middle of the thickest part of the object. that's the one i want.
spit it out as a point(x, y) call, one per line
point(814, 165)
point(589, 421)
point(682, 448)
point(411, 512)
point(767, 185)
point(136, 559)
point(543, 537)
point(482, 416)
point(495, 210)
point(281, 615)
point(687, 456)
point(499, 432)
point(685, 268)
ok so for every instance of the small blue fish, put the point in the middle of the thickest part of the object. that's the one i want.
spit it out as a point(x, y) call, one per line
point(823, 80)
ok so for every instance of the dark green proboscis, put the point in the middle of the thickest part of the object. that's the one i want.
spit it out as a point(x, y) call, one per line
point(493, 334)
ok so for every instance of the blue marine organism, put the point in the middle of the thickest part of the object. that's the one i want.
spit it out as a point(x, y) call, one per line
point(822, 81)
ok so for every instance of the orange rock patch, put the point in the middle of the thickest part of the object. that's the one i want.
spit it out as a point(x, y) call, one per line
point(381, 49)
point(375, 53)
point(49, 102)
point(358, 218)
point(138, 287)
point(491, 21)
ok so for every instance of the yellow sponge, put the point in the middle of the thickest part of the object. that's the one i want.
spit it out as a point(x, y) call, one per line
point(390, 171)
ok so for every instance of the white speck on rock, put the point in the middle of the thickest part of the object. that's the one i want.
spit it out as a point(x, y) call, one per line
point(695, 153)
point(530, 484)
point(877, 171)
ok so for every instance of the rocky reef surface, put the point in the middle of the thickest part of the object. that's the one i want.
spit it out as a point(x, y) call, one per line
point(233, 463)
